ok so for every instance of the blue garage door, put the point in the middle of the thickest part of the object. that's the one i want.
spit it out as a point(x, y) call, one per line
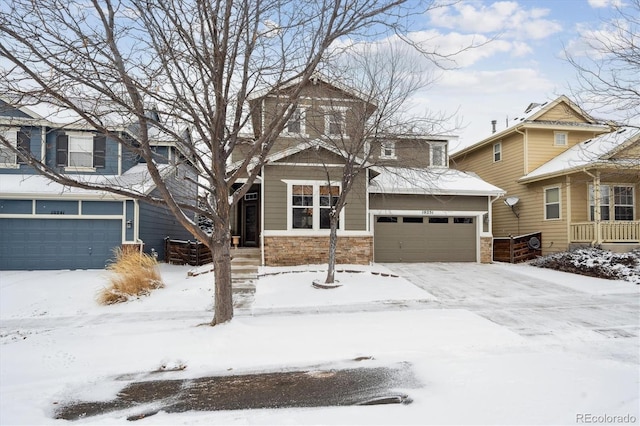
point(58, 243)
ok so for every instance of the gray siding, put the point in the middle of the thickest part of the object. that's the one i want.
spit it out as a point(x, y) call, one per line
point(275, 202)
point(427, 202)
point(157, 222)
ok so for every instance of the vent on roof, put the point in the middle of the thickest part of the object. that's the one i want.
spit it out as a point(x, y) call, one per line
point(531, 106)
point(622, 131)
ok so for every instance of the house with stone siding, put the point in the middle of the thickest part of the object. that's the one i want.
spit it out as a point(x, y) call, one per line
point(406, 206)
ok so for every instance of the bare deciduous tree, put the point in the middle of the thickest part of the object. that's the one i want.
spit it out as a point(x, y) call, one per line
point(384, 76)
point(197, 62)
point(607, 63)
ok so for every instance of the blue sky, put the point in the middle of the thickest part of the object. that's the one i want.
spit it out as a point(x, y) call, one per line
point(522, 64)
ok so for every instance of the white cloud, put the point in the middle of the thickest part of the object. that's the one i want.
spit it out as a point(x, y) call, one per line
point(599, 4)
point(491, 82)
point(503, 17)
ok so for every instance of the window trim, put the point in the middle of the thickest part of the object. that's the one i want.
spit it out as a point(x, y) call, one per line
point(555, 138)
point(328, 112)
point(316, 184)
point(445, 159)
point(303, 123)
point(611, 201)
point(546, 203)
point(388, 145)
point(497, 152)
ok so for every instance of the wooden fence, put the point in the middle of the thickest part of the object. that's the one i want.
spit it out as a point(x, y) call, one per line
point(182, 252)
point(517, 249)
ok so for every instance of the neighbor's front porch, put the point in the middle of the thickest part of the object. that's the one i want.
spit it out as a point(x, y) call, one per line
point(605, 232)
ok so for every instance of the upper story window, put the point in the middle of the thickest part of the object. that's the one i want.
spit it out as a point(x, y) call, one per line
point(560, 138)
point(18, 139)
point(552, 203)
point(438, 154)
point(335, 121)
point(80, 151)
point(497, 152)
point(310, 204)
point(297, 122)
point(388, 150)
point(616, 201)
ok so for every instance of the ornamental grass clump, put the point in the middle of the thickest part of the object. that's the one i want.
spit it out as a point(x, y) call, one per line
point(134, 274)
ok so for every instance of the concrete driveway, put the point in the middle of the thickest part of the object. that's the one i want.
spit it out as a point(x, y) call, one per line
point(544, 310)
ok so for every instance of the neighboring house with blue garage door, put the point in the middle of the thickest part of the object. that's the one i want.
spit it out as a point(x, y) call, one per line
point(47, 225)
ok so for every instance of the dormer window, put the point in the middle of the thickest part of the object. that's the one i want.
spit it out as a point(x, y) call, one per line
point(438, 154)
point(388, 150)
point(296, 124)
point(16, 138)
point(560, 138)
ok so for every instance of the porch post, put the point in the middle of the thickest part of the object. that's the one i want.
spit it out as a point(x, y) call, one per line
point(596, 214)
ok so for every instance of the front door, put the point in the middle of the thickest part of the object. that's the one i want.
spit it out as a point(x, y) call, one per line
point(250, 223)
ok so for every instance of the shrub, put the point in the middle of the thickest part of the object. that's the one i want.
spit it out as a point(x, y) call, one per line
point(595, 262)
point(134, 274)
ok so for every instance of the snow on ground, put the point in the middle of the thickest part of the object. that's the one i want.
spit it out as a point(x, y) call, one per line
point(57, 344)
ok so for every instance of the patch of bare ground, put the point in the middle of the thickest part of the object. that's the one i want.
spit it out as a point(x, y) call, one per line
point(308, 388)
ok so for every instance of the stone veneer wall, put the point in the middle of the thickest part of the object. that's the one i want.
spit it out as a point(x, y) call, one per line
point(486, 249)
point(288, 251)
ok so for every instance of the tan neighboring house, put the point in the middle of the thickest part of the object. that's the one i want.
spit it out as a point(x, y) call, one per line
point(407, 205)
point(568, 176)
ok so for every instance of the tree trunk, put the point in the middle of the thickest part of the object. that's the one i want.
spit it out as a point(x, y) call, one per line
point(333, 245)
point(221, 253)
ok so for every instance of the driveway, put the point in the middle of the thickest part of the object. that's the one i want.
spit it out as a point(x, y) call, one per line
point(543, 310)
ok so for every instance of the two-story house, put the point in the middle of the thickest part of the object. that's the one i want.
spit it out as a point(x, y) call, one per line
point(567, 175)
point(46, 225)
point(406, 206)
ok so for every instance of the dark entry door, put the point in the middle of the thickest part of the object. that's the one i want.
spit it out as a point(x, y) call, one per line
point(250, 223)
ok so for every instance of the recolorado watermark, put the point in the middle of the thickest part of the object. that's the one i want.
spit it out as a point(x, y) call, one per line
point(588, 418)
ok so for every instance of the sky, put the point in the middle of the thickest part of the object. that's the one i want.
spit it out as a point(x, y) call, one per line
point(523, 62)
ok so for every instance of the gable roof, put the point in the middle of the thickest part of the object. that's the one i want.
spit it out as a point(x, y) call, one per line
point(530, 118)
point(315, 78)
point(590, 153)
point(432, 181)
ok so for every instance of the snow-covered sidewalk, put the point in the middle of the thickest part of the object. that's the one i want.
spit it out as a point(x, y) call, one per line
point(472, 370)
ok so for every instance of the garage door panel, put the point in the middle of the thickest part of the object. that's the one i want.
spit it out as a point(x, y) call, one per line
point(400, 241)
point(58, 243)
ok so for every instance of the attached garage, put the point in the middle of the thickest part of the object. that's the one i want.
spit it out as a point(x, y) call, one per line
point(58, 243)
point(425, 239)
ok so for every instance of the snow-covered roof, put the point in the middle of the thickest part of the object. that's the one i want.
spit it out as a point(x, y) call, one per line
point(596, 151)
point(136, 179)
point(432, 181)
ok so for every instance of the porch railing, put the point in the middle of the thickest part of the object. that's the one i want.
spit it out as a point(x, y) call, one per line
point(610, 232)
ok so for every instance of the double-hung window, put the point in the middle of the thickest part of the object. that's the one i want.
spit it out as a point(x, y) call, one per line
point(388, 150)
point(616, 202)
point(335, 121)
point(552, 203)
point(497, 152)
point(80, 151)
point(296, 124)
point(438, 154)
point(311, 203)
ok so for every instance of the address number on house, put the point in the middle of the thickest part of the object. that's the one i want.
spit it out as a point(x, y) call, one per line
point(427, 211)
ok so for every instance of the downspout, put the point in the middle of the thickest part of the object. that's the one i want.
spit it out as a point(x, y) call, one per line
point(136, 222)
point(596, 206)
point(43, 144)
point(569, 209)
point(490, 217)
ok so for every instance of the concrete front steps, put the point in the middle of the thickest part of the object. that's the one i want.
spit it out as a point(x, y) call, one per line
point(244, 273)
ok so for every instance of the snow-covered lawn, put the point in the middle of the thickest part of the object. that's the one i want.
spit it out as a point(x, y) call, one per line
point(57, 345)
